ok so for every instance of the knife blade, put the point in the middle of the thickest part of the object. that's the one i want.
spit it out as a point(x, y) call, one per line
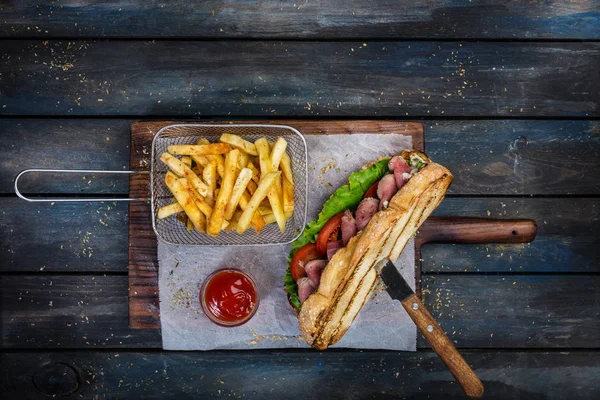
point(399, 289)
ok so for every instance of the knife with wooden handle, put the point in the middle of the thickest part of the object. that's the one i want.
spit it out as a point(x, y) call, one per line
point(398, 289)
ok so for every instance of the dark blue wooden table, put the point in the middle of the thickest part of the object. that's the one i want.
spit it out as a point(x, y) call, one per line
point(508, 91)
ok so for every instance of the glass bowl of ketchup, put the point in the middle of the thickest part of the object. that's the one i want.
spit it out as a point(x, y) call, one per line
point(229, 297)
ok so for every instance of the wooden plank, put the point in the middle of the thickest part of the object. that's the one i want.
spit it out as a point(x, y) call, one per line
point(297, 374)
point(58, 311)
point(518, 157)
point(144, 312)
point(523, 311)
point(64, 144)
point(311, 79)
point(568, 235)
point(488, 157)
point(568, 232)
point(305, 19)
point(526, 311)
point(88, 237)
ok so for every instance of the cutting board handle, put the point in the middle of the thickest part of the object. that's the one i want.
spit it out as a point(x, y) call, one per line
point(476, 230)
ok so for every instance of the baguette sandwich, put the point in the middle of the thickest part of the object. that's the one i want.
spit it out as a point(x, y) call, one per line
point(332, 265)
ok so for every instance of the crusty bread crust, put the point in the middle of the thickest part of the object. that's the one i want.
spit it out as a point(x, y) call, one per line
point(350, 277)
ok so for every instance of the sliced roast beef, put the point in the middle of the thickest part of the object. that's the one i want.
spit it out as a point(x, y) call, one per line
point(386, 190)
point(306, 287)
point(332, 247)
point(402, 164)
point(314, 269)
point(348, 227)
point(401, 170)
point(365, 211)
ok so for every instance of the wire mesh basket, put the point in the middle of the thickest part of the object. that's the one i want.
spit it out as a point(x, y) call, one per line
point(172, 231)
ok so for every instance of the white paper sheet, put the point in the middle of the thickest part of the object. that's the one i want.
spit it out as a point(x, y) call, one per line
point(381, 324)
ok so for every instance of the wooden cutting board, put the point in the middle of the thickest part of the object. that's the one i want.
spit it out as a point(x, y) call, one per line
point(144, 312)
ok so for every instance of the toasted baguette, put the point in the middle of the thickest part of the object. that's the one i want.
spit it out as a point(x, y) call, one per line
point(349, 278)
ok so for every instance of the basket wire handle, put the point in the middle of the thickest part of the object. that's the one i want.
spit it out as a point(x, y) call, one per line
point(69, 199)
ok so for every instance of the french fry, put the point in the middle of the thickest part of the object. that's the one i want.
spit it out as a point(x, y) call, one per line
point(277, 153)
point(257, 221)
point(288, 195)
point(220, 164)
point(203, 207)
point(255, 172)
point(269, 218)
point(200, 160)
point(189, 225)
point(197, 198)
point(275, 200)
point(179, 168)
point(184, 198)
point(170, 179)
point(199, 149)
point(262, 191)
point(233, 221)
point(209, 174)
point(265, 203)
point(251, 187)
point(218, 214)
point(242, 160)
point(187, 160)
point(239, 143)
point(262, 146)
point(238, 190)
point(216, 157)
point(169, 210)
point(279, 188)
point(197, 169)
point(286, 167)
point(264, 210)
point(200, 201)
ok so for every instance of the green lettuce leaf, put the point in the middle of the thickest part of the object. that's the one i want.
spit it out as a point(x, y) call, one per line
point(345, 198)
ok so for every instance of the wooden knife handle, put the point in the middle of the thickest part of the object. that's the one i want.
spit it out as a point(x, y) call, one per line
point(476, 230)
point(443, 347)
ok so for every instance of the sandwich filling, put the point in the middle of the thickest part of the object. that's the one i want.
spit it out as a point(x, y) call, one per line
point(344, 215)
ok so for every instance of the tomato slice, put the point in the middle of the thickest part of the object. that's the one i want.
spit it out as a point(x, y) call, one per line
point(329, 233)
point(304, 254)
point(372, 192)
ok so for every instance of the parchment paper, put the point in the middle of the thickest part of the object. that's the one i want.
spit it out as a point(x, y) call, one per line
point(381, 324)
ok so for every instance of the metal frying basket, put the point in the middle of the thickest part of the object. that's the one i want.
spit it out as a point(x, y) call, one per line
point(172, 231)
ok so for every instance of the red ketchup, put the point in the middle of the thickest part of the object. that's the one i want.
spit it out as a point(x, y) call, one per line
point(229, 297)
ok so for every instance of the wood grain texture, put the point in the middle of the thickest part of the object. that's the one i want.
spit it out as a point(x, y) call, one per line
point(305, 374)
point(443, 347)
point(569, 233)
point(518, 157)
point(473, 230)
point(144, 310)
point(487, 157)
point(46, 237)
point(299, 79)
point(64, 144)
point(487, 312)
point(315, 19)
point(69, 311)
point(530, 311)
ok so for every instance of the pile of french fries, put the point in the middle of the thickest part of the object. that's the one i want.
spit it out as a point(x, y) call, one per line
point(231, 185)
